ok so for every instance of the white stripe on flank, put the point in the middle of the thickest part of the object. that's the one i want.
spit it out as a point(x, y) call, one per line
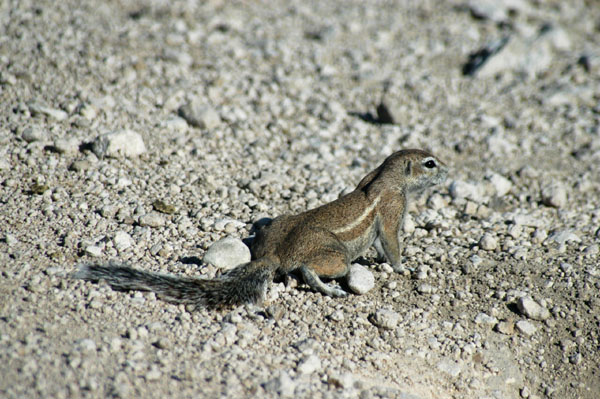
point(360, 219)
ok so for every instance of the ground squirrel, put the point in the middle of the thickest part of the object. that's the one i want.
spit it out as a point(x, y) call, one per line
point(320, 243)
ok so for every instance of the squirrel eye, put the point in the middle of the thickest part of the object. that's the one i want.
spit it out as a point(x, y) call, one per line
point(430, 164)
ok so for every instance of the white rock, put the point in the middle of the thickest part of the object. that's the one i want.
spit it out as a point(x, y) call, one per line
point(32, 134)
point(282, 385)
point(221, 224)
point(7, 78)
point(94, 250)
point(564, 236)
point(526, 327)
point(152, 219)
point(488, 242)
point(175, 124)
point(461, 189)
point(286, 386)
point(560, 95)
point(527, 55)
point(501, 184)
point(408, 224)
point(496, 10)
point(385, 318)
point(483, 318)
point(337, 315)
point(555, 195)
point(559, 38)
point(360, 279)
point(227, 253)
point(592, 250)
point(88, 111)
point(425, 289)
point(199, 114)
point(67, 146)
point(521, 219)
point(345, 380)
point(530, 308)
point(449, 367)
point(309, 365)
point(122, 240)
point(499, 143)
point(10, 240)
point(119, 143)
point(86, 345)
point(54, 113)
point(153, 374)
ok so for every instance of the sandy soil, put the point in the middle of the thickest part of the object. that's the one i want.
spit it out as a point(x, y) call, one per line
point(249, 109)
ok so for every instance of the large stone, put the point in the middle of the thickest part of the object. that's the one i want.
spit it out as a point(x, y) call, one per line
point(530, 308)
point(124, 142)
point(360, 279)
point(227, 253)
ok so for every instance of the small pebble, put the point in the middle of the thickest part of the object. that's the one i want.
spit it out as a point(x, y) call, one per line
point(488, 242)
point(122, 240)
point(486, 319)
point(163, 207)
point(10, 240)
point(338, 315)
point(386, 319)
point(57, 114)
point(501, 184)
point(67, 146)
point(425, 289)
point(554, 195)
point(80, 165)
point(449, 367)
point(199, 114)
point(309, 365)
point(32, 134)
point(153, 374)
point(506, 327)
point(152, 219)
point(343, 381)
point(526, 327)
point(86, 345)
point(94, 251)
point(283, 385)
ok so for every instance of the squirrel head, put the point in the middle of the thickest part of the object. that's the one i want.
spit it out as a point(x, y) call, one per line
point(413, 170)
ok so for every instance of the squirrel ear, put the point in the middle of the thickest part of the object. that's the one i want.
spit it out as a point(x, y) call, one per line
point(408, 168)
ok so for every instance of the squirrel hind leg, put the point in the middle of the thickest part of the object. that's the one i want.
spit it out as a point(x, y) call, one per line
point(312, 279)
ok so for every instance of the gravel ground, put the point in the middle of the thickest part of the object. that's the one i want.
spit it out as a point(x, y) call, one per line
point(144, 131)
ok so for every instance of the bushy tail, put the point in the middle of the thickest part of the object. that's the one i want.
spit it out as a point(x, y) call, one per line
point(245, 283)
